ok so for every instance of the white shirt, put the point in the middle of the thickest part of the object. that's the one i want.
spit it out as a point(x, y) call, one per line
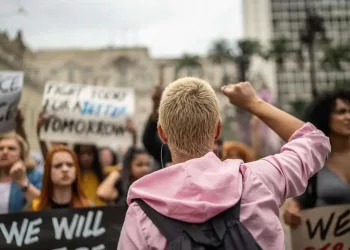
point(5, 188)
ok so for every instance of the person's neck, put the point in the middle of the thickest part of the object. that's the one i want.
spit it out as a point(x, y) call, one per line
point(340, 144)
point(180, 158)
point(5, 172)
point(62, 195)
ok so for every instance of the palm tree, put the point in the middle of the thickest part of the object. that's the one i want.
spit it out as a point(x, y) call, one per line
point(220, 53)
point(242, 55)
point(314, 26)
point(279, 51)
point(298, 106)
point(189, 62)
point(335, 57)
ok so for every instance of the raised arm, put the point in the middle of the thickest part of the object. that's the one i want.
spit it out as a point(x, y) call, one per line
point(131, 128)
point(107, 190)
point(285, 174)
point(42, 119)
point(150, 137)
point(243, 95)
point(20, 126)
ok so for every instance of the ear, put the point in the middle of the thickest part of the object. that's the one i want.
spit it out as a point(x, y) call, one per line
point(218, 130)
point(161, 134)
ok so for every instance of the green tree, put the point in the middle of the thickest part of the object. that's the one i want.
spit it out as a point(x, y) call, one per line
point(220, 53)
point(309, 37)
point(335, 57)
point(279, 50)
point(242, 55)
point(190, 63)
point(298, 106)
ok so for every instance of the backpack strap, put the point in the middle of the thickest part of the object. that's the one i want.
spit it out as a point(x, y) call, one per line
point(172, 229)
point(235, 211)
point(168, 227)
point(219, 224)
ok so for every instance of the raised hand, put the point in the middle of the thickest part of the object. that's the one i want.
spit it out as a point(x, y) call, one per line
point(42, 119)
point(242, 94)
point(18, 173)
point(130, 126)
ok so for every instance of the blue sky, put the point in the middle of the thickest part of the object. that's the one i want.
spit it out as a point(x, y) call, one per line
point(167, 27)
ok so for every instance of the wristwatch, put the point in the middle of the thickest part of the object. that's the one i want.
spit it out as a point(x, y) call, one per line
point(25, 187)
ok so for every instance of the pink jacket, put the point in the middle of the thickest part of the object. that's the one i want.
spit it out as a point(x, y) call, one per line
point(197, 190)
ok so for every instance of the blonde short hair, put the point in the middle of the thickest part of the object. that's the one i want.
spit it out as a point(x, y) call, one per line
point(189, 115)
point(24, 154)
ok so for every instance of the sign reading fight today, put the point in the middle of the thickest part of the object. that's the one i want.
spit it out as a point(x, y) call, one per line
point(63, 229)
point(324, 228)
point(87, 114)
point(11, 84)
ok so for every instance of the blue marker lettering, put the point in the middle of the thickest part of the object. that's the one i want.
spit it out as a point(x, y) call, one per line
point(87, 109)
point(118, 112)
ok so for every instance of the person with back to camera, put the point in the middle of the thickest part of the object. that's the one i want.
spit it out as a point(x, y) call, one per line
point(200, 189)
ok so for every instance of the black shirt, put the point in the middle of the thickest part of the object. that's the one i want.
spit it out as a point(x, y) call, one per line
point(55, 205)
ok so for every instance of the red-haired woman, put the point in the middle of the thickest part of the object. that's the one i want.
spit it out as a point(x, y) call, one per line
point(237, 150)
point(61, 185)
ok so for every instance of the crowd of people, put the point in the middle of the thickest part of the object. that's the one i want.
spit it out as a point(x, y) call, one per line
point(186, 170)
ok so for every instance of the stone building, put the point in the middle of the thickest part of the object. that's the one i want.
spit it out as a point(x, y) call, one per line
point(121, 67)
point(11, 59)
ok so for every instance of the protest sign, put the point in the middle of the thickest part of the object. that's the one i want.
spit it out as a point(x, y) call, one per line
point(324, 228)
point(63, 229)
point(87, 114)
point(11, 83)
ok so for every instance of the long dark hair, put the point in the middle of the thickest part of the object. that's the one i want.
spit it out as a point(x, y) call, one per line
point(320, 110)
point(126, 171)
point(96, 165)
point(115, 159)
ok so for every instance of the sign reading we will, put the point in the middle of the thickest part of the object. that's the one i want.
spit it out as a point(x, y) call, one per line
point(86, 114)
point(11, 83)
point(63, 229)
point(325, 228)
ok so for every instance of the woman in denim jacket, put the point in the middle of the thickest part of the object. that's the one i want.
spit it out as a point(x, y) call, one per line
point(20, 182)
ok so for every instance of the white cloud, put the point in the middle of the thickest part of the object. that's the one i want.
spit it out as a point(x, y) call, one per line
point(167, 27)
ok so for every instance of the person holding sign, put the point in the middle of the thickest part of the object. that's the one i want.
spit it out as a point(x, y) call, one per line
point(62, 186)
point(20, 182)
point(199, 186)
point(331, 186)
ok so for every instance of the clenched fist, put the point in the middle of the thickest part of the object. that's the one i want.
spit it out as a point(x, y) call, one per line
point(242, 94)
point(18, 173)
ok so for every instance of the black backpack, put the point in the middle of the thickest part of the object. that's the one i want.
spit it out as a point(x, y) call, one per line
point(224, 231)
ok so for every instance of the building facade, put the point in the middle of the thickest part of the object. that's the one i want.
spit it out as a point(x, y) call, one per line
point(12, 59)
point(268, 19)
point(122, 67)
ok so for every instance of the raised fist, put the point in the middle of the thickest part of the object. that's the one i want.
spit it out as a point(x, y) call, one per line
point(18, 173)
point(241, 94)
